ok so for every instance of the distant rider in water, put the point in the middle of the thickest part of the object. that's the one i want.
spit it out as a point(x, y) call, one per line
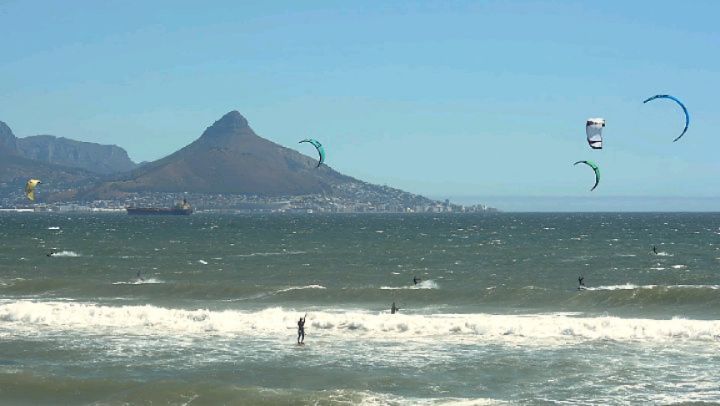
point(655, 250)
point(416, 280)
point(580, 281)
point(394, 309)
point(140, 278)
point(301, 329)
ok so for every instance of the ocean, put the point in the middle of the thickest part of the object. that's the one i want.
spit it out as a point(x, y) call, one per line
point(497, 317)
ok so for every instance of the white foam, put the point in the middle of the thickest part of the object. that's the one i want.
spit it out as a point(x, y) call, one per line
point(300, 288)
point(65, 254)
point(630, 286)
point(32, 317)
point(664, 254)
point(679, 266)
point(202, 261)
point(627, 286)
point(53, 228)
point(367, 398)
point(428, 284)
point(139, 282)
point(268, 254)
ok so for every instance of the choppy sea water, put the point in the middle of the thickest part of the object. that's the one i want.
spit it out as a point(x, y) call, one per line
point(496, 319)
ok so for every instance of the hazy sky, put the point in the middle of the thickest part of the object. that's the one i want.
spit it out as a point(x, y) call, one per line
point(443, 98)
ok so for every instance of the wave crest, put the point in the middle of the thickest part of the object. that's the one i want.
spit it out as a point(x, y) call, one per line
point(531, 329)
point(65, 254)
point(428, 284)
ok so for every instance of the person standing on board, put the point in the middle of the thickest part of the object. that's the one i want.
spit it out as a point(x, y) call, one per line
point(301, 329)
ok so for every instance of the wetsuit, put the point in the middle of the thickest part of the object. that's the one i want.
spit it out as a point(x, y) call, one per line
point(301, 330)
point(580, 281)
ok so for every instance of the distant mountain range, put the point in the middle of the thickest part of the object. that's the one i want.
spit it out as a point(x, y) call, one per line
point(16, 167)
point(94, 158)
point(228, 158)
point(97, 158)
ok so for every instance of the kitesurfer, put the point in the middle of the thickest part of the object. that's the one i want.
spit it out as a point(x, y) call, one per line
point(140, 278)
point(394, 308)
point(655, 250)
point(301, 329)
point(51, 253)
point(580, 282)
point(416, 280)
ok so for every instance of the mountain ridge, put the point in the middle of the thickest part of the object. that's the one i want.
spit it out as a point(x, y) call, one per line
point(229, 157)
point(93, 157)
point(228, 160)
point(65, 152)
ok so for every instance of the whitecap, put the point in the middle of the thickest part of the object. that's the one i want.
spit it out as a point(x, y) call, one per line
point(139, 282)
point(65, 254)
point(428, 284)
point(538, 329)
point(291, 288)
point(627, 286)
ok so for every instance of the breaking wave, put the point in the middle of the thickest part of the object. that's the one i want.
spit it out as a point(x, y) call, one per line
point(139, 282)
point(300, 288)
point(630, 286)
point(428, 284)
point(530, 329)
point(66, 254)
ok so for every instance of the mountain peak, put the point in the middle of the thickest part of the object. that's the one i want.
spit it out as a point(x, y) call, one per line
point(233, 118)
point(230, 125)
point(8, 142)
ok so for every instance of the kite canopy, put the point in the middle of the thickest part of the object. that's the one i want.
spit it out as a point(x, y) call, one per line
point(30, 188)
point(593, 129)
point(594, 168)
point(319, 147)
point(687, 115)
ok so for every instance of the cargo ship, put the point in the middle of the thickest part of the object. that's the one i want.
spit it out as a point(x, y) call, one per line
point(180, 209)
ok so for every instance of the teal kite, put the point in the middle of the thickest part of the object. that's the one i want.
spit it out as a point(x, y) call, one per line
point(319, 147)
point(594, 168)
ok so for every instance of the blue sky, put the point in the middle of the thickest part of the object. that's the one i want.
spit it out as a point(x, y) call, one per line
point(471, 100)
